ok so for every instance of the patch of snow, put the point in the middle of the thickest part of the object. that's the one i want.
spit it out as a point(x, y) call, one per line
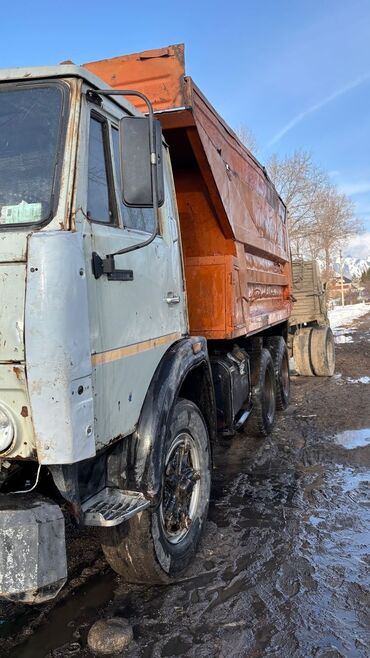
point(360, 380)
point(292, 366)
point(342, 316)
point(342, 338)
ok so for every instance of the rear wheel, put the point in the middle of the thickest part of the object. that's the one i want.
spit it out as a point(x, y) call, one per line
point(156, 546)
point(279, 353)
point(302, 352)
point(322, 351)
point(262, 418)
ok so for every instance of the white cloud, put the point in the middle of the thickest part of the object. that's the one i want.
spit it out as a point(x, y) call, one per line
point(358, 187)
point(358, 246)
point(317, 106)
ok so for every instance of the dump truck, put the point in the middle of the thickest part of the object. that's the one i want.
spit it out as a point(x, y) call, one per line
point(310, 340)
point(145, 286)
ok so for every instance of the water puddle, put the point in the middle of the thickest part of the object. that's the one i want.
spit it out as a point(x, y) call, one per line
point(63, 620)
point(352, 439)
point(359, 380)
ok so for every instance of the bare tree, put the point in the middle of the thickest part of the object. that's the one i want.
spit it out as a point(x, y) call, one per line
point(298, 181)
point(247, 138)
point(319, 217)
point(334, 222)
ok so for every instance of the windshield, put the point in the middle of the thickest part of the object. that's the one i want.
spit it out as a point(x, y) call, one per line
point(30, 131)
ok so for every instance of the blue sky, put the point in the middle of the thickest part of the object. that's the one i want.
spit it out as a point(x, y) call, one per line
point(297, 72)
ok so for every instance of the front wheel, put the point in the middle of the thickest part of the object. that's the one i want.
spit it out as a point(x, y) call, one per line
point(157, 546)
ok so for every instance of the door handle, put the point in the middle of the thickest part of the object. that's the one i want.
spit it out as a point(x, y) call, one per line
point(172, 299)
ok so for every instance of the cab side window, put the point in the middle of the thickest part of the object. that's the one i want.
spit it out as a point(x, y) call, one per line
point(141, 219)
point(99, 206)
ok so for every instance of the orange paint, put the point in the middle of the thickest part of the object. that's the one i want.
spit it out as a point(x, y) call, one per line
point(233, 223)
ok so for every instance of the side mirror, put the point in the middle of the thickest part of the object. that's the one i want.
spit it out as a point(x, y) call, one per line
point(136, 178)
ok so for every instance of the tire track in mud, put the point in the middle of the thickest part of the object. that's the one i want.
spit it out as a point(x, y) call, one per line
point(283, 569)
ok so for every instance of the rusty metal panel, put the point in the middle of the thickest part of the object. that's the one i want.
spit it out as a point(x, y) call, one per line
point(206, 278)
point(252, 205)
point(157, 73)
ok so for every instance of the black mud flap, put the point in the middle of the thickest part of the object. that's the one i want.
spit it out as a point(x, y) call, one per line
point(33, 563)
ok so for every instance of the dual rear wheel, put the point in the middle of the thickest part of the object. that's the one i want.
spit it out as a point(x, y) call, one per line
point(270, 385)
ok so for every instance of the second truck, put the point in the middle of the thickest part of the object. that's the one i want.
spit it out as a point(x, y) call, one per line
point(310, 340)
point(145, 286)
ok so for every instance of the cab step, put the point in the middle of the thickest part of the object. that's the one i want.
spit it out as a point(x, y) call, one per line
point(111, 507)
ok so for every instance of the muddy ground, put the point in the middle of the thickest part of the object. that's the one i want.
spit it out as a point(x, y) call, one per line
point(283, 569)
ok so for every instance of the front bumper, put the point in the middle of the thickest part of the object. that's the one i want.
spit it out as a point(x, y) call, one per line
point(33, 562)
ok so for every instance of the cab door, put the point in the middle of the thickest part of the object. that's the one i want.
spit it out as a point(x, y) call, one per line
point(132, 322)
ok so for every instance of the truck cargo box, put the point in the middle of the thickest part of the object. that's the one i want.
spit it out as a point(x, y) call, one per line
point(310, 301)
point(233, 223)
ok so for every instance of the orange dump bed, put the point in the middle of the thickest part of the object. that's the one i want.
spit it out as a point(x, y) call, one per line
point(233, 223)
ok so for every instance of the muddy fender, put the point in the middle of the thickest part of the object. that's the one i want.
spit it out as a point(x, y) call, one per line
point(142, 454)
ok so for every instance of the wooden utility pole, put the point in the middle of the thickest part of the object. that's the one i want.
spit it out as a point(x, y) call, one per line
point(341, 275)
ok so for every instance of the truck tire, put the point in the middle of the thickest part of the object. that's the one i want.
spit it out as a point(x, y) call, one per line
point(302, 352)
point(322, 351)
point(262, 418)
point(280, 358)
point(156, 546)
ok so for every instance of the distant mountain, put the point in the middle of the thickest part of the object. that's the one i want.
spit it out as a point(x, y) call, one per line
point(353, 268)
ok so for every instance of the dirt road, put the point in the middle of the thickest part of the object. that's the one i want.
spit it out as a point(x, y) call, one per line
point(284, 566)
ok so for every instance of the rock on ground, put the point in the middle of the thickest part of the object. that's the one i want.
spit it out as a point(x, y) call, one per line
point(109, 636)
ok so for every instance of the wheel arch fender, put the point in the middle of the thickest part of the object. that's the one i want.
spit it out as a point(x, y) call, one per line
point(184, 371)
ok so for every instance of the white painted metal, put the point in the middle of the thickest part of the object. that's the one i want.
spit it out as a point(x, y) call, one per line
point(14, 399)
point(58, 348)
point(13, 255)
point(129, 313)
point(62, 71)
point(65, 323)
point(12, 288)
point(13, 246)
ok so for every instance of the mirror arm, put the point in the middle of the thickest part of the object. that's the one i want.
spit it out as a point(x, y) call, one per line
point(153, 163)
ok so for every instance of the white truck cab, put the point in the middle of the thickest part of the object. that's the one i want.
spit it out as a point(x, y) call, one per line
point(89, 342)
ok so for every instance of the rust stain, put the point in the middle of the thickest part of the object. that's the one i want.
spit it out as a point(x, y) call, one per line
point(24, 412)
point(18, 372)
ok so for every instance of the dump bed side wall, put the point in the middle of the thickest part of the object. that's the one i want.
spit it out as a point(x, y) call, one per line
point(233, 223)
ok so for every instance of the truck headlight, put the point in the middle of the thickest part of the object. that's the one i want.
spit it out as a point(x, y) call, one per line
point(6, 431)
